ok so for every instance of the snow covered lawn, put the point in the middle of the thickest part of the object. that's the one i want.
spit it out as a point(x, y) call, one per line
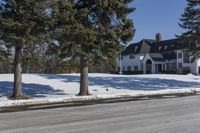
point(63, 87)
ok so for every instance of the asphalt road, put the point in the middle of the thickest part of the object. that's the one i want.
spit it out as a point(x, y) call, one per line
point(174, 115)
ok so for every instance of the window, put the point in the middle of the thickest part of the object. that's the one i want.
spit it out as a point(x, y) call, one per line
point(136, 48)
point(129, 68)
point(141, 66)
point(132, 56)
point(186, 68)
point(158, 68)
point(186, 58)
point(163, 66)
point(170, 67)
point(179, 55)
point(180, 65)
point(135, 68)
point(124, 68)
point(118, 69)
point(121, 58)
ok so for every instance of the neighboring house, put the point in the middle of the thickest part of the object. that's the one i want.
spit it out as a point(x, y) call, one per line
point(158, 56)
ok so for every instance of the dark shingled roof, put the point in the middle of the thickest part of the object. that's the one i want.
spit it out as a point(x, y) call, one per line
point(159, 51)
point(142, 47)
point(157, 56)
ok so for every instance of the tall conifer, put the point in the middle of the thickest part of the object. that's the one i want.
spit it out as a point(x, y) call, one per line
point(190, 23)
point(22, 23)
point(90, 29)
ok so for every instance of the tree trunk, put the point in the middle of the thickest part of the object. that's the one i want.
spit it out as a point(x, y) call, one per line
point(84, 77)
point(17, 87)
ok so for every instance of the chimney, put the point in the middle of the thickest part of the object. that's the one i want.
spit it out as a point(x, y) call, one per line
point(158, 37)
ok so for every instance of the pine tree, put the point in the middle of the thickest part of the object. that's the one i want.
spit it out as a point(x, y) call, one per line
point(22, 23)
point(5, 52)
point(34, 58)
point(2, 53)
point(2, 50)
point(190, 23)
point(91, 29)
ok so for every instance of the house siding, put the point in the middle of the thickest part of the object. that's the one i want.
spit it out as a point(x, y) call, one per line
point(126, 62)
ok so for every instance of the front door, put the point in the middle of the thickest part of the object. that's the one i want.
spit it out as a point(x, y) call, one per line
point(159, 68)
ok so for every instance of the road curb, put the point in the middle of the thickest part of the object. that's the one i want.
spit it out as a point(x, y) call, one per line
point(92, 99)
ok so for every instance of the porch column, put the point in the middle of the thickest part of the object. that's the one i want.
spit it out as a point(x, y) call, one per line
point(144, 68)
point(153, 68)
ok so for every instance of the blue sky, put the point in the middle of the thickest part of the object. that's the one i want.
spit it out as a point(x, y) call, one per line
point(157, 16)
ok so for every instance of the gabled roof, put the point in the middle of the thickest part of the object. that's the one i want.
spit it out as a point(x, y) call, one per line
point(142, 47)
point(159, 51)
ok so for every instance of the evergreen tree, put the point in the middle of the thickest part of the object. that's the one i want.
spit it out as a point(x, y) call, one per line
point(22, 23)
point(58, 61)
point(5, 52)
point(34, 59)
point(90, 29)
point(190, 22)
point(2, 53)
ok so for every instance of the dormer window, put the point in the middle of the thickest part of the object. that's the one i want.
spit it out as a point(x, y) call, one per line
point(136, 48)
point(132, 56)
point(186, 58)
point(179, 55)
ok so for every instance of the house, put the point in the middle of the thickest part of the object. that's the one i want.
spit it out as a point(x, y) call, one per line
point(158, 56)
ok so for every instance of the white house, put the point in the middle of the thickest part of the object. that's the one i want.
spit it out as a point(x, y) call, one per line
point(158, 56)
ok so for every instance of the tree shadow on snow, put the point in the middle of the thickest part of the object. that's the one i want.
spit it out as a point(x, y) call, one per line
point(33, 90)
point(64, 78)
point(131, 83)
point(141, 83)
